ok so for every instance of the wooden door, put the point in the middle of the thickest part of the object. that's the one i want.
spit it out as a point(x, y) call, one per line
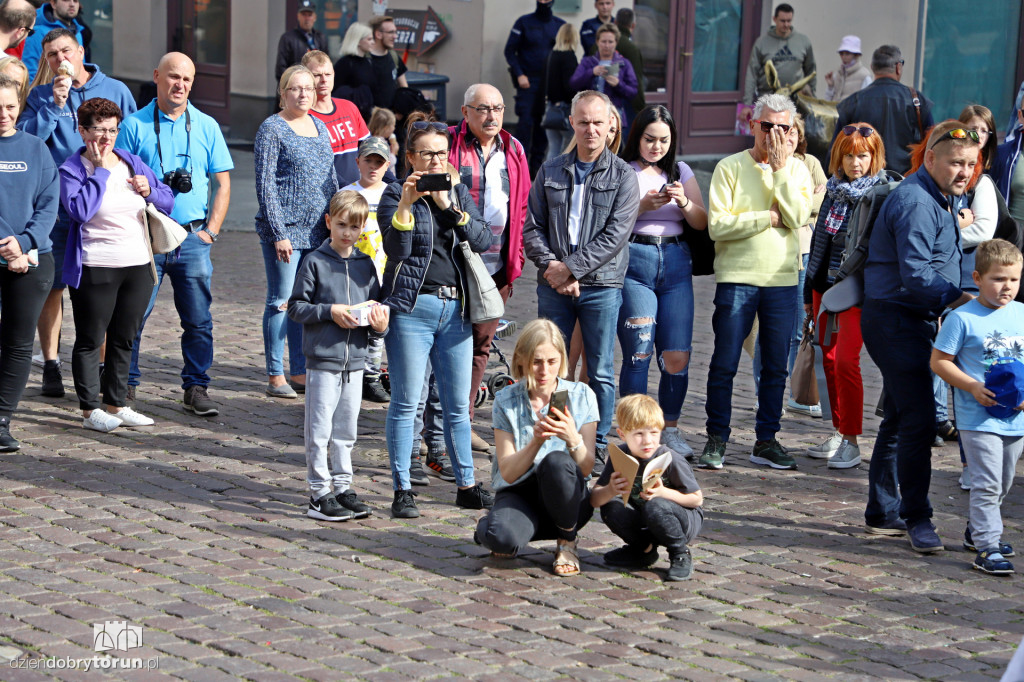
point(202, 30)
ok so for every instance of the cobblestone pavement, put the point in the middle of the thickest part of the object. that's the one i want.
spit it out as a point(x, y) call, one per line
point(195, 530)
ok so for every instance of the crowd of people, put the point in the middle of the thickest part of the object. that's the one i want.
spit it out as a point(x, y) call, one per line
point(374, 222)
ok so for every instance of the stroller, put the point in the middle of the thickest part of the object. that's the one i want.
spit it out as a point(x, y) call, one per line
point(494, 378)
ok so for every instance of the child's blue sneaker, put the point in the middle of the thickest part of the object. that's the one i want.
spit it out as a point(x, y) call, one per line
point(1004, 547)
point(992, 562)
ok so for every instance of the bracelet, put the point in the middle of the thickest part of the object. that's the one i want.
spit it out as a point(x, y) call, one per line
point(576, 447)
point(688, 202)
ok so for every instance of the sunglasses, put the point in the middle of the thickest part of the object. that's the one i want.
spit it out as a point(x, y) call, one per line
point(766, 126)
point(864, 130)
point(957, 134)
point(431, 125)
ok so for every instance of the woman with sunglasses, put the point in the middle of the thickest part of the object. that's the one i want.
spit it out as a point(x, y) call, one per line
point(425, 287)
point(856, 165)
point(295, 181)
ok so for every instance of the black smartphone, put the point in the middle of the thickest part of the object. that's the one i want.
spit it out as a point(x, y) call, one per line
point(559, 399)
point(663, 188)
point(434, 182)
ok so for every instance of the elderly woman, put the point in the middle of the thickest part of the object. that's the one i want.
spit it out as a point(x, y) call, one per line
point(425, 286)
point(543, 454)
point(108, 261)
point(295, 181)
point(855, 166)
point(608, 72)
point(354, 78)
point(28, 204)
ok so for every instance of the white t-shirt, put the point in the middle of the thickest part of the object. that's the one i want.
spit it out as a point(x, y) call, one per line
point(496, 197)
point(370, 240)
point(115, 237)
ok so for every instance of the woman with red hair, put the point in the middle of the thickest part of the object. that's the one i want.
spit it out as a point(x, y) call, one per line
point(855, 166)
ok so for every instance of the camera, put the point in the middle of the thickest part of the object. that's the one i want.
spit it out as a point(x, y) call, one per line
point(179, 180)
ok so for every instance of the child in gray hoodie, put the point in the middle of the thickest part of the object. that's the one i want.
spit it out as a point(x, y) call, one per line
point(332, 281)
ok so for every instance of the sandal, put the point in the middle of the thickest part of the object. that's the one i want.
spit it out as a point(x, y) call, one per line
point(567, 557)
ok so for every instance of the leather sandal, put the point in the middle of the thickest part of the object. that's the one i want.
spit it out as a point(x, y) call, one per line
point(567, 557)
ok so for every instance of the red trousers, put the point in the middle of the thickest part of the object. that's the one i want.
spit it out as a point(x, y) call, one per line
point(841, 361)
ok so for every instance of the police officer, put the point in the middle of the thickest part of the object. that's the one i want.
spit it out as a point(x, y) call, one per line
point(185, 148)
point(527, 50)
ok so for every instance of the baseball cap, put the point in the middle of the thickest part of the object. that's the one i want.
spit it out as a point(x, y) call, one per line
point(374, 145)
point(1005, 378)
point(307, 6)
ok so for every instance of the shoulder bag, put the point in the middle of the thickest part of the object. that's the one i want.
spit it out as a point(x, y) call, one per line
point(483, 302)
point(165, 234)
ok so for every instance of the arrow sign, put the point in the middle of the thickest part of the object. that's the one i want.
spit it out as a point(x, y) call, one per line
point(418, 31)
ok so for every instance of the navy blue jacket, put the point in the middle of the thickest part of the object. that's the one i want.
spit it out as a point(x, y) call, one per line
point(529, 44)
point(914, 254)
point(1007, 155)
point(588, 33)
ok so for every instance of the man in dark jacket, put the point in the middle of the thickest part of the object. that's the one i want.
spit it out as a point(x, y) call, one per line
point(527, 50)
point(299, 40)
point(899, 113)
point(1008, 175)
point(588, 30)
point(912, 274)
point(625, 19)
point(582, 208)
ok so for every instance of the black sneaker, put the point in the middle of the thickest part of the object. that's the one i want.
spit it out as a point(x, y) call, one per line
point(474, 498)
point(328, 509)
point(680, 565)
point(349, 500)
point(946, 430)
point(441, 465)
point(1004, 548)
point(713, 455)
point(7, 442)
point(992, 562)
point(197, 401)
point(771, 453)
point(417, 476)
point(374, 391)
point(129, 397)
point(631, 556)
point(404, 506)
point(53, 381)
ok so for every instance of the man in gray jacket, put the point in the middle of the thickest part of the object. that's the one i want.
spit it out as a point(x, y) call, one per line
point(582, 208)
point(789, 51)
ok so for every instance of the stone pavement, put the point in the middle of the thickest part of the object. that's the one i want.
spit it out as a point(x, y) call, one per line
point(195, 531)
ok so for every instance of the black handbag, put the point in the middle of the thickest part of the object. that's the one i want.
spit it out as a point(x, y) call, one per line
point(556, 116)
point(702, 250)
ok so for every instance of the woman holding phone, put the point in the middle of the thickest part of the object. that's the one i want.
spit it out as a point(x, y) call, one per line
point(543, 454)
point(422, 220)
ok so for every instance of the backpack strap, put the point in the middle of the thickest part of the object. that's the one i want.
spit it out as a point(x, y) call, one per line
point(398, 60)
point(917, 108)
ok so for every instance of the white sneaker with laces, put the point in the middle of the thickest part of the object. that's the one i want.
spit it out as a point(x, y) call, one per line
point(673, 439)
point(101, 420)
point(810, 410)
point(827, 449)
point(846, 457)
point(130, 417)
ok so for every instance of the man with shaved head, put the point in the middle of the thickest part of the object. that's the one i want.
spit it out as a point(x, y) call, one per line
point(17, 17)
point(185, 148)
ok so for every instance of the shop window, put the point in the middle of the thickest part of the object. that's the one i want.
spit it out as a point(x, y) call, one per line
point(718, 30)
point(98, 15)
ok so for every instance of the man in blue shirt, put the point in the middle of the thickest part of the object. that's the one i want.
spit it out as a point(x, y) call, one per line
point(913, 274)
point(185, 148)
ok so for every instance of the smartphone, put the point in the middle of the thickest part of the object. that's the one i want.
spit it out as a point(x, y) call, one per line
point(33, 259)
point(663, 188)
point(559, 399)
point(613, 69)
point(434, 182)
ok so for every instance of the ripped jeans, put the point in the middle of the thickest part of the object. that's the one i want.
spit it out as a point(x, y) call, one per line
point(656, 315)
point(277, 326)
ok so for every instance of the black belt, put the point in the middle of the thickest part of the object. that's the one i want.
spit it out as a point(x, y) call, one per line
point(195, 225)
point(654, 240)
point(443, 292)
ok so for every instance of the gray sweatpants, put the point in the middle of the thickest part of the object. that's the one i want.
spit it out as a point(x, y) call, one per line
point(992, 459)
point(333, 400)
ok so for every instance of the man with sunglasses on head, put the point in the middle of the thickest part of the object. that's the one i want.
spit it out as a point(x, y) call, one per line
point(911, 276)
point(17, 17)
point(758, 201)
point(899, 113)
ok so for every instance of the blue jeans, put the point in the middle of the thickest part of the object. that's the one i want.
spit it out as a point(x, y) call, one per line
point(941, 392)
point(597, 309)
point(434, 331)
point(798, 330)
point(190, 271)
point(900, 345)
point(276, 324)
point(735, 307)
point(658, 286)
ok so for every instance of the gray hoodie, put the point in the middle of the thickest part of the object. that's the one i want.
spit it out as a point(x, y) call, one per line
point(324, 279)
point(793, 59)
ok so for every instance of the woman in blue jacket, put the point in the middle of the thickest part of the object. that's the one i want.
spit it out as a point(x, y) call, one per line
point(425, 286)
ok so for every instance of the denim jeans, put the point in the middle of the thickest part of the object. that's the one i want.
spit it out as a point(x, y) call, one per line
point(901, 463)
point(597, 310)
point(20, 305)
point(659, 286)
point(941, 393)
point(435, 330)
point(276, 324)
point(798, 330)
point(735, 307)
point(190, 271)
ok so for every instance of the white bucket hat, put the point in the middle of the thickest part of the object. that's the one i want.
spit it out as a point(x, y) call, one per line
point(850, 44)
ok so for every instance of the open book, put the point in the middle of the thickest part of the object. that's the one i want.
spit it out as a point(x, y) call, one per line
point(628, 466)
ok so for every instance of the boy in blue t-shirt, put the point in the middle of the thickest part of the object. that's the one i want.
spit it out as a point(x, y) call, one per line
point(973, 338)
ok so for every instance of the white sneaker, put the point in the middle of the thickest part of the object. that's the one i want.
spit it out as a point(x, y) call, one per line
point(810, 410)
point(130, 417)
point(101, 420)
point(826, 449)
point(673, 439)
point(846, 457)
point(965, 479)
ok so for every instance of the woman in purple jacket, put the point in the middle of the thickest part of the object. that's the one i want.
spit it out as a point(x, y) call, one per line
point(608, 72)
point(107, 264)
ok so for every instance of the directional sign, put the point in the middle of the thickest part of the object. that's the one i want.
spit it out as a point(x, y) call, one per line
point(418, 31)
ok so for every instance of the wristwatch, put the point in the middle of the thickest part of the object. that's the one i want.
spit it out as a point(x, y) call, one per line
point(213, 235)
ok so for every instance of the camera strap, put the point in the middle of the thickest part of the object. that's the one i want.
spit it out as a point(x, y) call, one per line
point(188, 138)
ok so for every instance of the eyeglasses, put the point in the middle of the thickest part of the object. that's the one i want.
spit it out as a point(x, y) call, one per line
point(863, 130)
point(487, 110)
point(96, 130)
point(391, 32)
point(29, 32)
point(957, 134)
point(307, 89)
point(431, 125)
point(430, 156)
point(766, 126)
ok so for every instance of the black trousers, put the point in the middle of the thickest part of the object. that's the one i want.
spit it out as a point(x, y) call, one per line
point(552, 499)
point(109, 302)
point(21, 300)
point(659, 522)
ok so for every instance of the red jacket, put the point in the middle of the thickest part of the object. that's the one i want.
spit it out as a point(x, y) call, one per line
point(463, 155)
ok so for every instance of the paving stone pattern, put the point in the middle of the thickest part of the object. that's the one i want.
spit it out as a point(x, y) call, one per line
point(195, 529)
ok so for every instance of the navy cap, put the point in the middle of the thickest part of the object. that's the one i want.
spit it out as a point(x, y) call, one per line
point(307, 6)
point(1005, 378)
